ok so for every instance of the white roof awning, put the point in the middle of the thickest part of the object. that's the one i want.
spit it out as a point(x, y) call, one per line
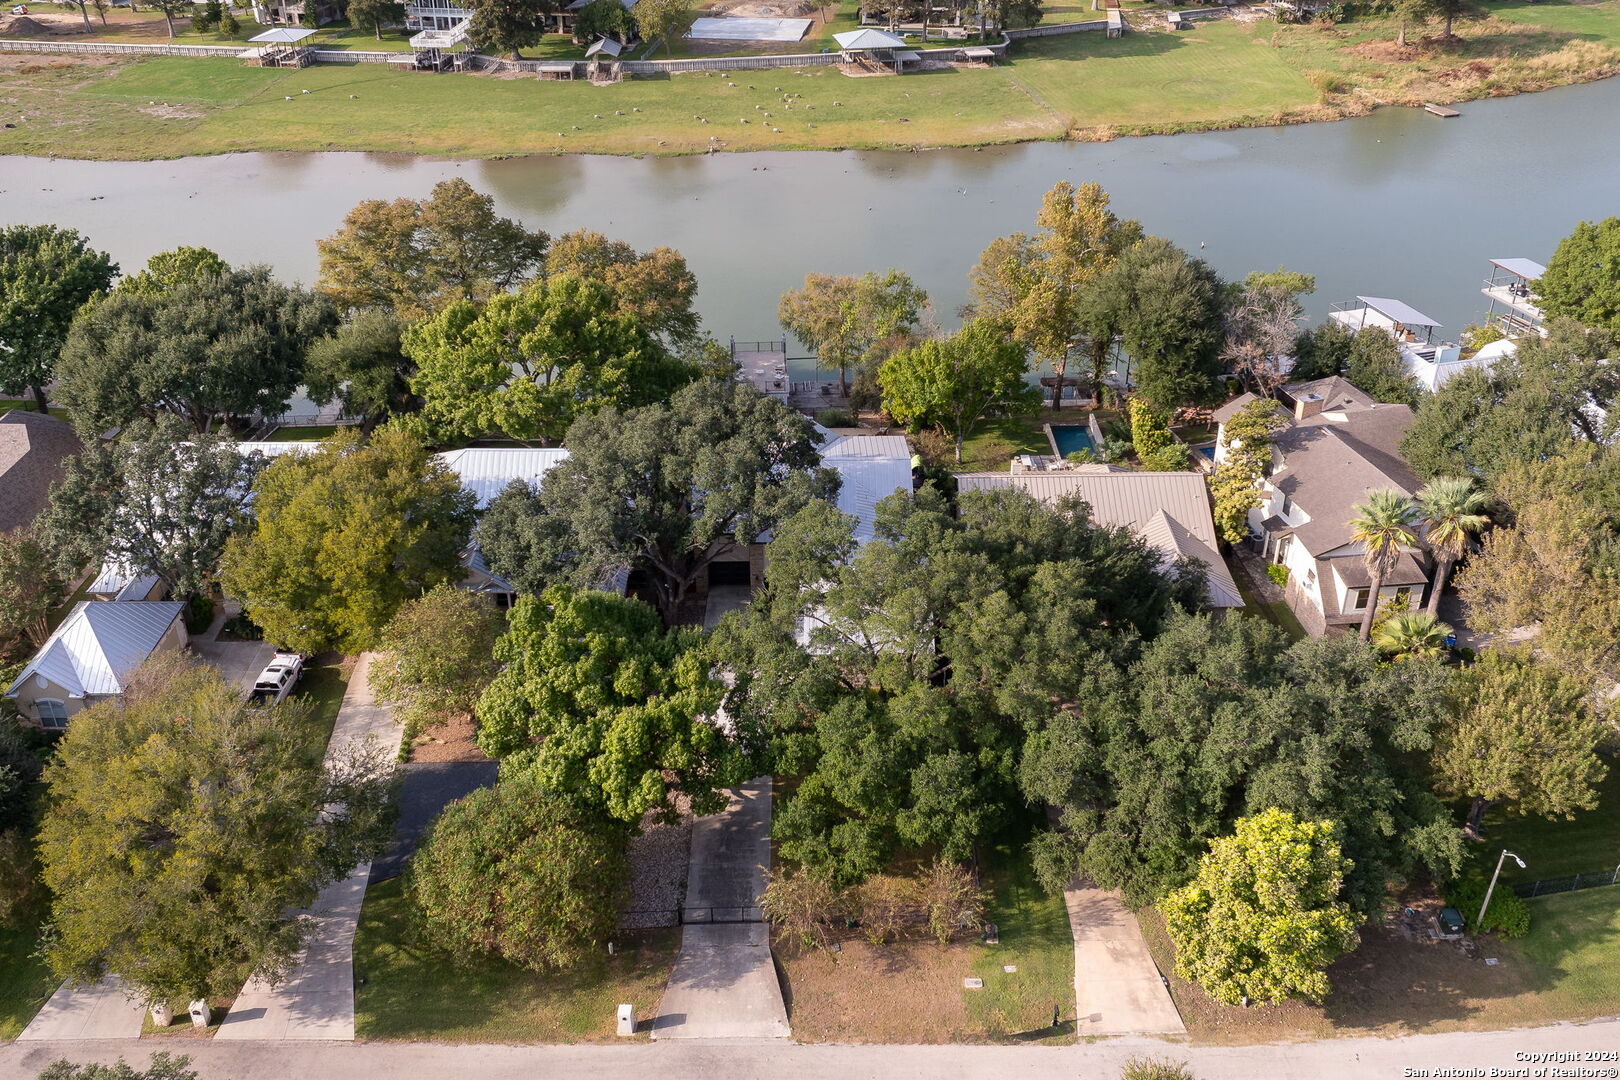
point(1528, 269)
point(1398, 310)
point(282, 35)
point(867, 38)
point(606, 46)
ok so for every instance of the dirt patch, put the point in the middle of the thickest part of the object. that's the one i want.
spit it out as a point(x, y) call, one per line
point(1472, 72)
point(752, 9)
point(1393, 52)
point(172, 112)
point(24, 27)
point(456, 740)
point(879, 994)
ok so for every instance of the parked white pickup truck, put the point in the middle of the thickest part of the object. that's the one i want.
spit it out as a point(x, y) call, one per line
point(277, 680)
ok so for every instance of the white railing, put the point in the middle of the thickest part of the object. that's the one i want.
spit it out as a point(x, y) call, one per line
point(441, 39)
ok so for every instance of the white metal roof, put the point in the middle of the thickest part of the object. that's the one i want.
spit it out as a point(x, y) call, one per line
point(99, 644)
point(603, 45)
point(867, 38)
point(866, 482)
point(282, 35)
point(1528, 269)
point(486, 472)
point(275, 449)
point(1398, 310)
point(865, 446)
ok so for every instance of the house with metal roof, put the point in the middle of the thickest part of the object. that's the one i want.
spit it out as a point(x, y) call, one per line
point(91, 656)
point(1169, 510)
point(34, 448)
point(1335, 446)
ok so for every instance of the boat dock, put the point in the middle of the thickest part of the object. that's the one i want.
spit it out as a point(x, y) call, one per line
point(1439, 110)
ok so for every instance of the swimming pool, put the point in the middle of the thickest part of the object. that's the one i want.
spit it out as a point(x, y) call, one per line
point(1067, 438)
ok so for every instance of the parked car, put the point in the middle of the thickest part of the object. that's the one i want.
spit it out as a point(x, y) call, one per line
point(1450, 921)
point(277, 680)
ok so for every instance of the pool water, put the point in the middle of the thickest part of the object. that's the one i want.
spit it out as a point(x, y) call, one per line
point(1067, 438)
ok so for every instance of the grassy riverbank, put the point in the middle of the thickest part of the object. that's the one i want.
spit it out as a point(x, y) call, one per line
point(1218, 74)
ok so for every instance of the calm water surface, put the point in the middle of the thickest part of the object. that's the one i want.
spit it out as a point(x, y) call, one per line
point(1395, 204)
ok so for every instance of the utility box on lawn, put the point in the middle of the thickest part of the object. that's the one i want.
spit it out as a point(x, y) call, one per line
point(627, 1019)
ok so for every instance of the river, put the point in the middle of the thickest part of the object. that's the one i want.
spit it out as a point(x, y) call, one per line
point(1397, 204)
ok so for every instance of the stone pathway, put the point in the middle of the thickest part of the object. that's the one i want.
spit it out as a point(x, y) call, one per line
point(316, 1000)
point(86, 1012)
point(724, 983)
point(1117, 988)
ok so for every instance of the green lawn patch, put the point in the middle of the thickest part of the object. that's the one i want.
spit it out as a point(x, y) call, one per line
point(25, 981)
point(1571, 954)
point(1591, 22)
point(1590, 842)
point(323, 688)
point(403, 991)
point(7, 404)
point(1035, 938)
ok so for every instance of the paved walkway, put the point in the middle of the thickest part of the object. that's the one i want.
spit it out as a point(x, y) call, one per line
point(88, 1012)
point(1332, 1059)
point(316, 1000)
point(724, 981)
point(1117, 988)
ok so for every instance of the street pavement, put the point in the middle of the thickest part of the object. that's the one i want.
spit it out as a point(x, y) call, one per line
point(1117, 988)
point(724, 983)
point(780, 1059)
point(316, 1000)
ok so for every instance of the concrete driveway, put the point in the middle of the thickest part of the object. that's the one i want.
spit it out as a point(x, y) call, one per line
point(101, 1011)
point(239, 661)
point(1117, 988)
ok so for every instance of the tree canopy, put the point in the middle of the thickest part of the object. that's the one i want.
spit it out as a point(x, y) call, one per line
point(1374, 365)
point(853, 322)
point(220, 348)
point(1582, 280)
point(344, 536)
point(597, 700)
point(507, 26)
point(1262, 325)
point(46, 274)
point(178, 268)
point(1221, 719)
point(362, 365)
point(1522, 734)
point(897, 680)
point(956, 383)
point(1263, 918)
point(1040, 283)
point(436, 655)
point(662, 489)
point(516, 872)
point(414, 256)
point(529, 363)
point(158, 501)
point(665, 20)
point(653, 288)
point(29, 587)
point(1167, 308)
point(1234, 489)
point(151, 797)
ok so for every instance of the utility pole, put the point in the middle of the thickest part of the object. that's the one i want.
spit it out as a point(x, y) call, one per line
point(1492, 887)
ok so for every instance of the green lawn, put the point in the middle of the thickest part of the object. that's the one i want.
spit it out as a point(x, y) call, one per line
point(25, 982)
point(1591, 22)
point(1036, 939)
point(323, 687)
point(7, 404)
point(1276, 612)
point(1571, 954)
point(1555, 848)
point(404, 992)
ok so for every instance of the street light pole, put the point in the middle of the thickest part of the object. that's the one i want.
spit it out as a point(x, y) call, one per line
point(1492, 887)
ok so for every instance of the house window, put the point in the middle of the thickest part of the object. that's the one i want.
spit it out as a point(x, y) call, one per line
point(52, 714)
point(1403, 594)
point(1360, 599)
point(1287, 505)
point(1284, 543)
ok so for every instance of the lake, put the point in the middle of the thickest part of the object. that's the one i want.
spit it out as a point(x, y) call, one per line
point(1398, 203)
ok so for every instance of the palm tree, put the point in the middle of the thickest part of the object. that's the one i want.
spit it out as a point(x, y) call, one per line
point(1383, 525)
point(1411, 635)
point(1452, 511)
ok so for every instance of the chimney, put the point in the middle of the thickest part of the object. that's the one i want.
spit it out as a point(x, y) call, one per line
point(1309, 405)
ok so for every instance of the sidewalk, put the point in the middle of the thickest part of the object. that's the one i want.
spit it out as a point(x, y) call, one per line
point(86, 1012)
point(1117, 989)
point(316, 1000)
point(724, 983)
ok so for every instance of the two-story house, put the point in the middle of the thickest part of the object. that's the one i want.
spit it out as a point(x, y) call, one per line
point(1336, 445)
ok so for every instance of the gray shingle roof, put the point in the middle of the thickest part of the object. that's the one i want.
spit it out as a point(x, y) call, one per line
point(33, 448)
point(1330, 466)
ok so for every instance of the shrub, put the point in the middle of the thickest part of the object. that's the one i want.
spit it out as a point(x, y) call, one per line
point(516, 872)
point(801, 905)
point(1080, 457)
point(1155, 1069)
point(835, 418)
point(953, 900)
point(1508, 915)
point(887, 906)
point(229, 23)
point(1171, 458)
point(199, 613)
point(22, 896)
point(1278, 573)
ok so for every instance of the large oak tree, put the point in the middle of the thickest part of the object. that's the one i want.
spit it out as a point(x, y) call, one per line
point(46, 275)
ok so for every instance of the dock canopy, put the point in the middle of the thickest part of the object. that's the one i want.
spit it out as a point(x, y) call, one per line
point(1400, 312)
point(282, 35)
point(604, 47)
point(1528, 269)
point(867, 38)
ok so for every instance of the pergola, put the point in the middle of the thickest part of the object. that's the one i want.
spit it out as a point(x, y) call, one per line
point(866, 46)
point(284, 47)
